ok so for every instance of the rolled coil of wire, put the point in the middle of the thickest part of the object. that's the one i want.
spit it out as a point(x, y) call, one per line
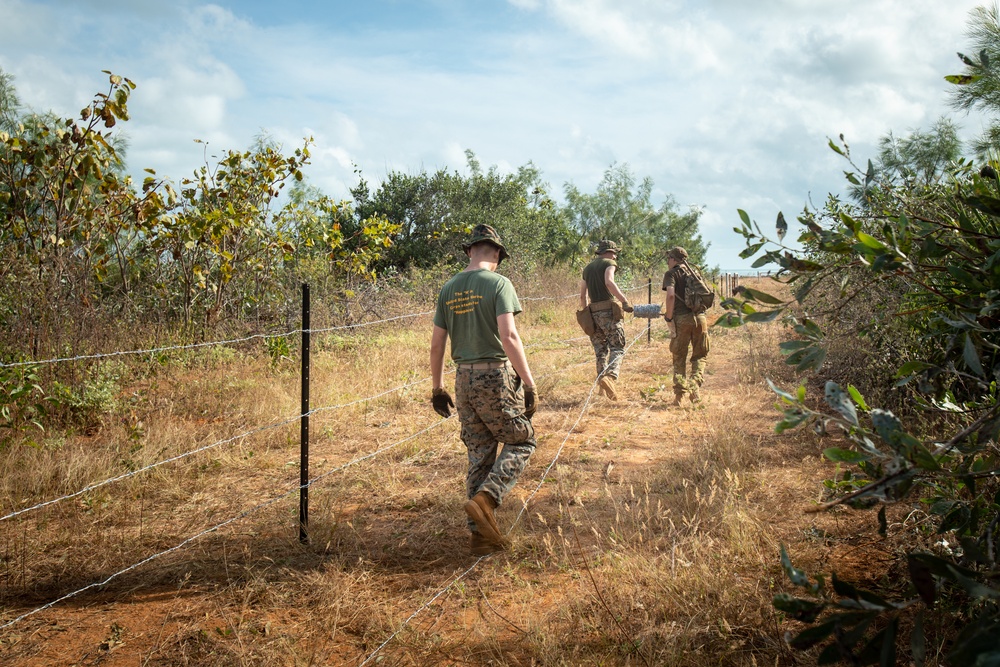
point(648, 311)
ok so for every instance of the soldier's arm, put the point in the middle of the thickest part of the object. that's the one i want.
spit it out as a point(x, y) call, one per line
point(583, 294)
point(609, 282)
point(668, 305)
point(512, 346)
point(439, 339)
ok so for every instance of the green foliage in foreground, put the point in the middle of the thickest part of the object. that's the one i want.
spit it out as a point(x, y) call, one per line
point(937, 250)
point(913, 268)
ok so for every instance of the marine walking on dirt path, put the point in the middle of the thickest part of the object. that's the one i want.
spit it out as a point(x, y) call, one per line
point(602, 318)
point(689, 329)
point(494, 389)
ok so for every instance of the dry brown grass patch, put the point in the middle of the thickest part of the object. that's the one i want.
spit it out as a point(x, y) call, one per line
point(651, 540)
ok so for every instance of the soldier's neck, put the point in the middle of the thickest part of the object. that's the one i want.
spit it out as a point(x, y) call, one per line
point(475, 265)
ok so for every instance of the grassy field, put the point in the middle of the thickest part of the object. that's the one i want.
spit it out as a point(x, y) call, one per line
point(642, 534)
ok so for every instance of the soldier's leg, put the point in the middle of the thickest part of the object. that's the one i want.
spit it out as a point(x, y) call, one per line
point(679, 344)
point(479, 442)
point(599, 340)
point(504, 417)
point(616, 346)
point(700, 347)
point(600, 349)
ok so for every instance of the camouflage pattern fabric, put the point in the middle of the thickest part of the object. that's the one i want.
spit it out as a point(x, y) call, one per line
point(608, 340)
point(689, 334)
point(491, 408)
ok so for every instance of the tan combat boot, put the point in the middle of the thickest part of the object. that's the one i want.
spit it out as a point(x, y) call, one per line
point(608, 385)
point(480, 546)
point(480, 510)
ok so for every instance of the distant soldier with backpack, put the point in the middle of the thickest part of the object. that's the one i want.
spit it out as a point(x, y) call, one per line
point(687, 299)
point(602, 318)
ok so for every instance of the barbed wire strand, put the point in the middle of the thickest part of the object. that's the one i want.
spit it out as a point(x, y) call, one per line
point(548, 298)
point(191, 346)
point(639, 287)
point(231, 341)
point(572, 428)
point(133, 473)
point(199, 450)
point(215, 528)
point(153, 350)
point(426, 605)
point(524, 507)
point(253, 510)
point(368, 324)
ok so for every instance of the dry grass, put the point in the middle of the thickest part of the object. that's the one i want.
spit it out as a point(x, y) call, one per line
point(651, 540)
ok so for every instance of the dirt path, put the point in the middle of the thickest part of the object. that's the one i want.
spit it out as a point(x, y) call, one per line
point(382, 549)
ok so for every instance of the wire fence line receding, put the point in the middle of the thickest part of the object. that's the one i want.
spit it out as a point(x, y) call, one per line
point(234, 438)
point(218, 526)
point(239, 516)
point(152, 350)
point(243, 339)
point(259, 430)
point(133, 473)
point(192, 346)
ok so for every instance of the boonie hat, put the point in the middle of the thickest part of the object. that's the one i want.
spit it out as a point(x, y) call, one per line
point(678, 253)
point(604, 245)
point(486, 233)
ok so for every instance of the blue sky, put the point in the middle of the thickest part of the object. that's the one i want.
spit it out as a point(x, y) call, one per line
point(723, 104)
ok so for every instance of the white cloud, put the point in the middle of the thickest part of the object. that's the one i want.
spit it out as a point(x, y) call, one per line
point(526, 4)
point(605, 23)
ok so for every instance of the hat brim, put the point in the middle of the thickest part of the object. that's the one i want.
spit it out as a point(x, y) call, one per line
point(503, 251)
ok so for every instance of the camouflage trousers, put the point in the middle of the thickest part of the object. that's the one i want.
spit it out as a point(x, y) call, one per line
point(608, 340)
point(694, 334)
point(491, 408)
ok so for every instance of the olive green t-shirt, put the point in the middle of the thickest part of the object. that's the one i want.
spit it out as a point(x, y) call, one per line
point(468, 307)
point(677, 278)
point(593, 275)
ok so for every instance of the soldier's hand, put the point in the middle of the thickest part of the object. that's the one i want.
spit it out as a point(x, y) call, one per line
point(530, 401)
point(441, 400)
point(627, 307)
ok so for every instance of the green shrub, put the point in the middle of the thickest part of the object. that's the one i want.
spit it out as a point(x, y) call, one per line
point(903, 293)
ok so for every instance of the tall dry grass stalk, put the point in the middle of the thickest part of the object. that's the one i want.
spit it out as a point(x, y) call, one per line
point(649, 541)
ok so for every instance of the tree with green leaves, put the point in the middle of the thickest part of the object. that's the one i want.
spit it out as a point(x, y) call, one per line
point(434, 211)
point(71, 217)
point(10, 103)
point(622, 210)
point(920, 158)
point(945, 249)
point(978, 85)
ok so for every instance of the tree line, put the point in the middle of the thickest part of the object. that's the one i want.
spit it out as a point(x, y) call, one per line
point(82, 243)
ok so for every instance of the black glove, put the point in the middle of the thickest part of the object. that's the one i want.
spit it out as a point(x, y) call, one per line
point(627, 307)
point(530, 399)
point(441, 400)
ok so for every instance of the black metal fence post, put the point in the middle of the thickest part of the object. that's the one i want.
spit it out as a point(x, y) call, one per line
point(649, 323)
point(304, 432)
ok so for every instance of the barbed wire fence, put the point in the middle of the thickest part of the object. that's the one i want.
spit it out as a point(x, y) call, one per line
point(276, 425)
